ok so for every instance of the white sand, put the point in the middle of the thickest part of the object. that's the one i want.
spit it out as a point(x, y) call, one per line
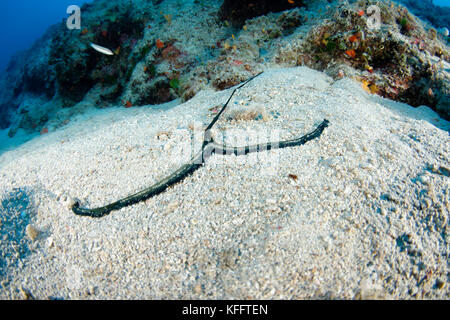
point(238, 227)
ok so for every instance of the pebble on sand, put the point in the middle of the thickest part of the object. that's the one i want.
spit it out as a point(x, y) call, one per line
point(32, 232)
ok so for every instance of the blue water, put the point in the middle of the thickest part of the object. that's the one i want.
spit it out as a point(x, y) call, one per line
point(442, 3)
point(24, 21)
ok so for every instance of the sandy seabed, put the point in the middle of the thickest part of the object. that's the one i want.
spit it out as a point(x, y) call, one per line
point(361, 212)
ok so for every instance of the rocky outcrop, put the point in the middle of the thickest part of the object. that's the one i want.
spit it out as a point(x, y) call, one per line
point(237, 11)
point(425, 9)
point(28, 73)
point(159, 56)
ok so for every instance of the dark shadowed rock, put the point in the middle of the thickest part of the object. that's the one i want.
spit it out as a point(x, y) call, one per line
point(425, 9)
point(237, 11)
point(4, 117)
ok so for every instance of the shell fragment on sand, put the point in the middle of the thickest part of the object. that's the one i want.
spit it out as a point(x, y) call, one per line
point(102, 49)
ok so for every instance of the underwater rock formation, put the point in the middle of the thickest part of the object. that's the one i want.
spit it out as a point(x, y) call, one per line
point(401, 60)
point(425, 9)
point(120, 29)
point(237, 11)
point(4, 117)
point(28, 74)
point(159, 57)
point(63, 68)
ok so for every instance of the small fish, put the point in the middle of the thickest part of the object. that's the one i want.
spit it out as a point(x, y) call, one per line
point(291, 1)
point(128, 104)
point(361, 13)
point(159, 44)
point(293, 176)
point(244, 27)
point(237, 62)
point(430, 92)
point(85, 31)
point(234, 38)
point(117, 50)
point(102, 49)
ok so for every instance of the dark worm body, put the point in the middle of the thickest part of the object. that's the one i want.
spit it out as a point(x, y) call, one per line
point(209, 147)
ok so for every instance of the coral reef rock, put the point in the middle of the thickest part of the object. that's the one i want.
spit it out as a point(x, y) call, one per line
point(237, 11)
point(425, 9)
point(159, 57)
